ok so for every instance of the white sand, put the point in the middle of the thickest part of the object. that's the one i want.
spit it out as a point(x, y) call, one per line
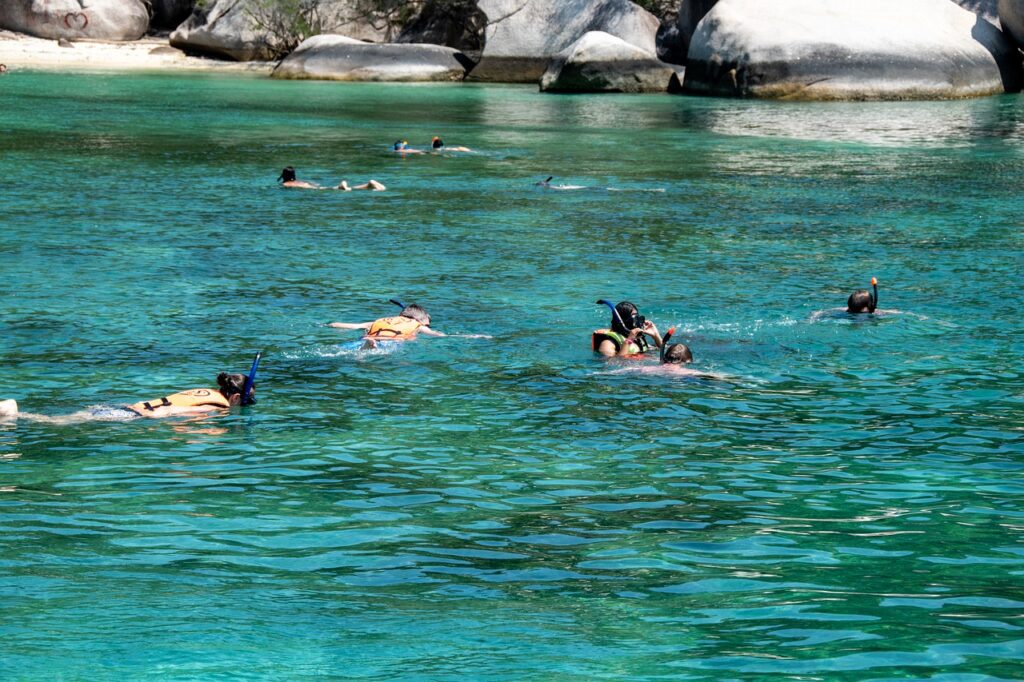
point(19, 52)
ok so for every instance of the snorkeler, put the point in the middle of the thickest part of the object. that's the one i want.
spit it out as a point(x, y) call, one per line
point(627, 332)
point(233, 389)
point(288, 179)
point(862, 301)
point(402, 147)
point(405, 326)
point(437, 144)
point(546, 184)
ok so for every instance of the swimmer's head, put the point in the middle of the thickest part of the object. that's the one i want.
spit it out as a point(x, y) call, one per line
point(287, 175)
point(437, 143)
point(629, 316)
point(677, 354)
point(860, 302)
point(414, 312)
point(232, 386)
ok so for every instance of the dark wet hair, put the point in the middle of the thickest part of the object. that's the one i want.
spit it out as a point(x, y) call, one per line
point(677, 354)
point(414, 312)
point(860, 302)
point(287, 175)
point(629, 314)
point(438, 143)
point(231, 384)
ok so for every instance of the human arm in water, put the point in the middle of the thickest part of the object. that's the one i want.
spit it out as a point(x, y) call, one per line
point(427, 331)
point(351, 325)
point(649, 329)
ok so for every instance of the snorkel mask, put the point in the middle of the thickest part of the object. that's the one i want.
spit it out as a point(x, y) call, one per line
point(250, 382)
point(635, 321)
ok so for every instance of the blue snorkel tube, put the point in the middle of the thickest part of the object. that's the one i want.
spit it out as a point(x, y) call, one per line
point(641, 342)
point(397, 302)
point(615, 312)
point(250, 381)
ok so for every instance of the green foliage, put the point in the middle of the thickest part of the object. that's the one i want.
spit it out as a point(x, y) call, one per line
point(660, 8)
point(286, 23)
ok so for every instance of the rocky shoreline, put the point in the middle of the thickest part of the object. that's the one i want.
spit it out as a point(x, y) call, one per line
point(21, 52)
point(778, 49)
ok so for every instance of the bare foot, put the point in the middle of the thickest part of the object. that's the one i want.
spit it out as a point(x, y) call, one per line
point(8, 408)
point(343, 186)
point(376, 186)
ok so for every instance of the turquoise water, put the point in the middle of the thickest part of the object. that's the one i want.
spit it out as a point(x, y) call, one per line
point(844, 504)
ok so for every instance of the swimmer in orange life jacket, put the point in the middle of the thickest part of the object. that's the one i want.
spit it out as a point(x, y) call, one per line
point(191, 402)
point(627, 332)
point(405, 326)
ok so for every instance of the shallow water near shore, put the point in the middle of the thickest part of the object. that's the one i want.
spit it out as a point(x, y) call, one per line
point(846, 504)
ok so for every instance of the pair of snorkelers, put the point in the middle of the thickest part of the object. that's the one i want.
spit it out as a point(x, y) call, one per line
point(232, 390)
point(289, 179)
point(412, 321)
point(436, 145)
point(627, 336)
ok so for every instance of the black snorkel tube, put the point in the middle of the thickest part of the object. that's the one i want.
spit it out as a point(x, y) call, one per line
point(664, 344)
point(396, 302)
point(873, 295)
point(250, 381)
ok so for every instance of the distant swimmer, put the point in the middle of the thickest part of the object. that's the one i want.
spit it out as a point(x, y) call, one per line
point(288, 179)
point(3, 69)
point(402, 147)
point(625, 336)
point(437, 144)
point(412, 321)
point(546, 184)
point(861, 301)
point(233, 390)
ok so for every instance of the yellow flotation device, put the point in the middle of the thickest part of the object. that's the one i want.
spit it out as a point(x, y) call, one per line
point(196, 397)
point(394, 328)
point(601, 335)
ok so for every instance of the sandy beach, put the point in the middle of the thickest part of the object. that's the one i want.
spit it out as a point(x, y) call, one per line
point(19, 51)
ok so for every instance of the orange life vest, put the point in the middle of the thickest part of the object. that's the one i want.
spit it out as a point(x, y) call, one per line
point(196, 397)
point(394, 328)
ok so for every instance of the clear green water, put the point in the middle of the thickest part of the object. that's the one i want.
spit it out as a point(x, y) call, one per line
point(847, 506)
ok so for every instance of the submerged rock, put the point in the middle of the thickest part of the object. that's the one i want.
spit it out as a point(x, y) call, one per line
point(333, 57)
point(599, 62)
point(74, 20)
point(871, 49)
point(233, 28)
point(523, 35)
